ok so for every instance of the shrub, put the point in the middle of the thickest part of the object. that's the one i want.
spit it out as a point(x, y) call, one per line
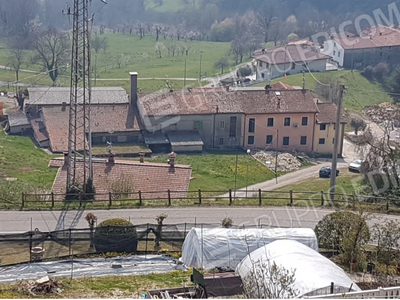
point(115, 235)
point(244, 71)
point(368, 72)
point(227, 222)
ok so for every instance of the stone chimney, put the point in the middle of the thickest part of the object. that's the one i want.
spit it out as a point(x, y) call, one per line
point(134, 87)
point(171, 159)
point(141, 155)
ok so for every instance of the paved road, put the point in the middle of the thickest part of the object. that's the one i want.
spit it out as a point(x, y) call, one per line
point(273, 216)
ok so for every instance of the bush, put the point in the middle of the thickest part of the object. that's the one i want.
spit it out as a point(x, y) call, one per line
point(115, 235)
point(368, 72)
point(244, 71)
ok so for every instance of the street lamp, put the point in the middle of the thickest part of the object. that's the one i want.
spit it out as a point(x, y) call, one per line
point(247, 172)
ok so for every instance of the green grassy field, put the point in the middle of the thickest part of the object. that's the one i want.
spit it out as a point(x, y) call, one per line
point(361, 92)
point(127, 53)
point(167, 5)
point(20, 159)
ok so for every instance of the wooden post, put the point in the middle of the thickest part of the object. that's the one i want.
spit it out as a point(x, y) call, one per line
point(23, 200)
point(354, 201)
point(52, 200)
point(200, 199)
point(322, 199)
point(259, 197)
point(109, 199)
point(169, 197)
point(80, 199)
point(230, 197)
point(291, 198)
point(140, 198)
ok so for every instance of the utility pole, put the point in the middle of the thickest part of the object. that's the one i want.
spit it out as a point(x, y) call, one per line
point(342, 88)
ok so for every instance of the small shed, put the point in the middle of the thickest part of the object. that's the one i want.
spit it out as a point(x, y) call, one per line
point(18, 122)
point(185, 141)
point(208, 248)
point(313, 272)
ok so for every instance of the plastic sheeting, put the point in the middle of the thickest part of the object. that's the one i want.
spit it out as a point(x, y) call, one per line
point(208, 248)
point(97, 267)
point(313, 272)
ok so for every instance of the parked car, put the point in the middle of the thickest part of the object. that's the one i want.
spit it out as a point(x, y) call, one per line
point(325, 172)
point(355, 166)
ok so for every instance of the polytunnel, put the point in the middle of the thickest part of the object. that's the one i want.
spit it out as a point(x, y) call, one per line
point(208, 248)
point(313, 272)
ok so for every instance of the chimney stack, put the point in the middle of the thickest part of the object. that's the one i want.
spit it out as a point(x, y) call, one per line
point(134, 86)
point(141, 155)
point(111, 158)
point(171, 159)
point(65, 158)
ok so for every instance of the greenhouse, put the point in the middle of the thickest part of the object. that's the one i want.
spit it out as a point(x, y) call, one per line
point(313, 272)
point(208, 248)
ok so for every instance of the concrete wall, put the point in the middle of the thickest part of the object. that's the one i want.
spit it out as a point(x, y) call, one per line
point(295, 131)
point(210, 131)
point(360, 58)
point(116, 137)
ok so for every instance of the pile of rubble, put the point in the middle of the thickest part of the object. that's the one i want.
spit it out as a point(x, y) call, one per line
point(286, 161)
point(41, 286)
point(383, 112)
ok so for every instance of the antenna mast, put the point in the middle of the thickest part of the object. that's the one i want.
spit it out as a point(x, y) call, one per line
point(79, 160)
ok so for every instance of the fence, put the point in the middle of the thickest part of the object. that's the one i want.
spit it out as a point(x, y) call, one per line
point(169, 198)
point(148, 239)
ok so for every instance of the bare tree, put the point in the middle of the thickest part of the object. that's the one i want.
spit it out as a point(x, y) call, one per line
point(357, 124)
point(159, 49)
point(265, 19)
point(267, 280)
point(15, 61)
point(239, 49)
point(157, 28)
point(222, 64)
point(52, 51)
point(99, 43)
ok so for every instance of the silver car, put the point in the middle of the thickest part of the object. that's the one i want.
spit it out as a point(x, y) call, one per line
point(355, 166)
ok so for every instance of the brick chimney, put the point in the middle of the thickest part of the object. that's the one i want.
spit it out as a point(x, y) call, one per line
point(141, 155)
point(65, 158)
point(134, 85)
point(171, 159)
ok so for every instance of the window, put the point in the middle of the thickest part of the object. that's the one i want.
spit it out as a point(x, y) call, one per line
point(321, 141)
point(303, 140)
point(338, 54)
point(221, 141)
point(304, 121)
point(286, 122)
point(198, 125)
point(334, 44)
point(252, 125)
point(222, 124)
point(173, 126)
point(270, 122)
point(381, 54)
point(269, 139)
point(250, 140)
point(334, 52)
point(285, 141)
point(322, 127)
point(262, 75)
point(261, 64)
point(333, 140)
point(232, 127)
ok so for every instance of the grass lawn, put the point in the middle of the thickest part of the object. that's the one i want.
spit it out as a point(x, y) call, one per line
point(106, 287)
point(20, 159)
point(361, 92)
point(216, 172)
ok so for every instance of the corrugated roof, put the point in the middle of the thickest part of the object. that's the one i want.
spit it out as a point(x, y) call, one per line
point(58, 95)
point(375, 37)
point(185, 138)
point(288, 54)
point(209, 102)
point(105, 118)
point(146, 177)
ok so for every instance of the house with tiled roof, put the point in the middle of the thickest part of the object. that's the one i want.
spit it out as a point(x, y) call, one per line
point(279, 117)
point(113, 117)
point(288, 59)
point(372, 46)
point(324, 131)
point(153, 180)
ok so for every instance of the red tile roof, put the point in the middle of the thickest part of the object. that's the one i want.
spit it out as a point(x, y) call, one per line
point(375, 37)
point(290, 53)
point(118, 118)
point(327, 113)
point(212, 101)
point(152, 179)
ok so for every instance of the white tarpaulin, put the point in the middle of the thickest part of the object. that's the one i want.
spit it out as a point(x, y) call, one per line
point(208, 248)
point(314, 273)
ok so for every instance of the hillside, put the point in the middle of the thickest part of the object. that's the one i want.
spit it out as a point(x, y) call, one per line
point(360, 91)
